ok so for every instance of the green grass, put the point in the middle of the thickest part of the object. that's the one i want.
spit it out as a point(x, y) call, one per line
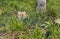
point(30, 28)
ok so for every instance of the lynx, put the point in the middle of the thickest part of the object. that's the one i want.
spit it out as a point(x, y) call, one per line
point(21, 15)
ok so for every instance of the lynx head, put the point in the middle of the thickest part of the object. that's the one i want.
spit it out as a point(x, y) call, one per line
point(21, 15)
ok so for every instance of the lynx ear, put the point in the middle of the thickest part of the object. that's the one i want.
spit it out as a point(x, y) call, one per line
point(24, 11)
point(19, 12)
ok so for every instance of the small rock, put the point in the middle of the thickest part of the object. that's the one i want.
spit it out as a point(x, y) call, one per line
point(57, 21)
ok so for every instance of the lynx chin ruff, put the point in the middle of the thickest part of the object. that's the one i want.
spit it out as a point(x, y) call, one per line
point(21, 15)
